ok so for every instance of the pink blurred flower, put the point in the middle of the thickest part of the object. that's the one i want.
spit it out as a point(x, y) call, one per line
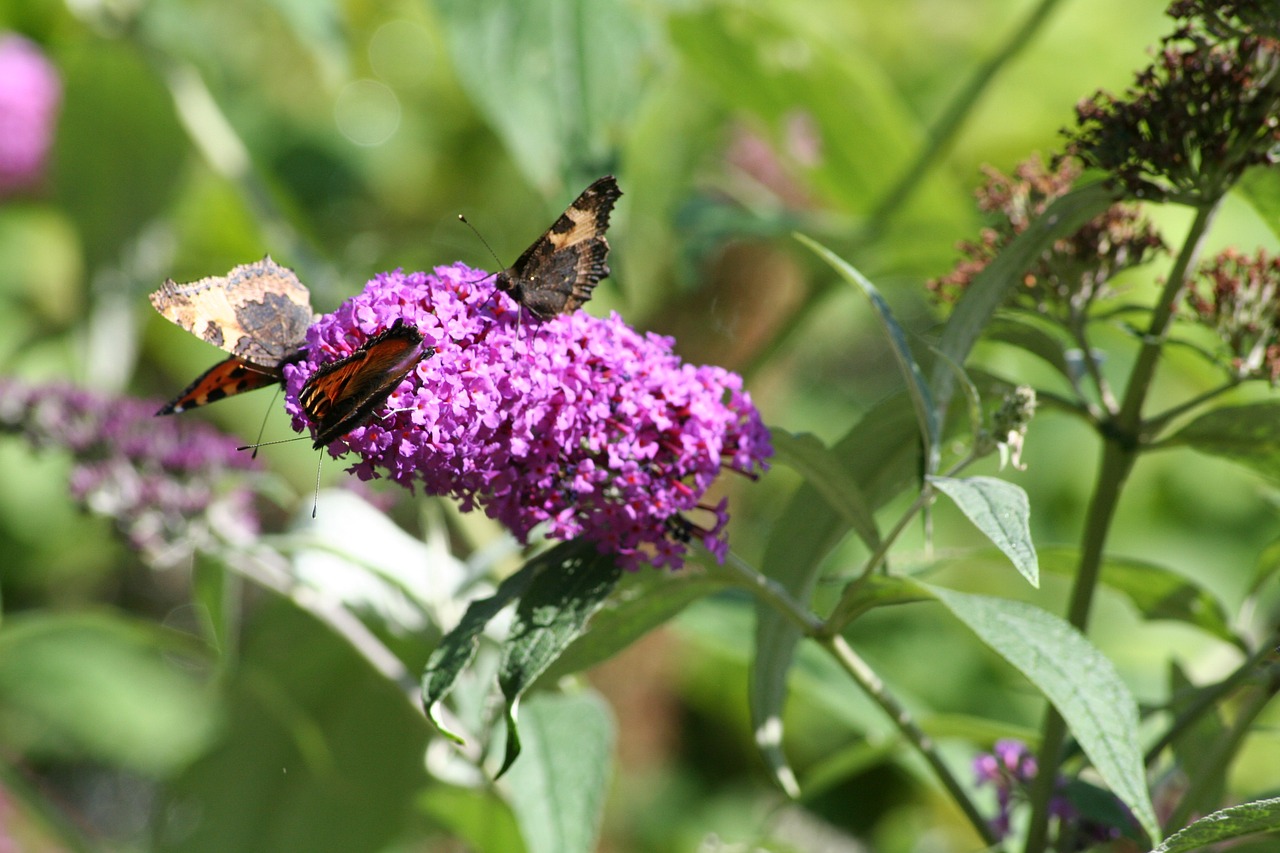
point(30, 93)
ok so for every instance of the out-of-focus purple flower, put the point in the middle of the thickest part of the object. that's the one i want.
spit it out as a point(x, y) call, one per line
point(30, 93)
point(1011, 768)
point(579, 423)
point(164, 481)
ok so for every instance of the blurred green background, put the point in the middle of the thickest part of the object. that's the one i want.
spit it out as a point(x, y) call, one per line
point(343, 139)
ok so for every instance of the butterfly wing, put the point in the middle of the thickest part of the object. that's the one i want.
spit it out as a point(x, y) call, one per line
point(225, 379)
point(257, 312)
point(558, 272)
point(342, 394)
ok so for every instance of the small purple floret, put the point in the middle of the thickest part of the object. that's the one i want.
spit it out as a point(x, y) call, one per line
point(578, 423)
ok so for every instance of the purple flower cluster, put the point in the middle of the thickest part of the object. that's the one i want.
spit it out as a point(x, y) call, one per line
point(577, 422)
point(1011, 768)
point(30, 93)
point(165, 482)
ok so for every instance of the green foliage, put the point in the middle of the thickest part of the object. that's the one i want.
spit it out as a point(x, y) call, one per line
point(1001, 511)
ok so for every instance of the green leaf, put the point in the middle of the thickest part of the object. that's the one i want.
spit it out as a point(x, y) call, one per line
point(642, 601)
point(112, 198)
point(559, 787)
point(1157, 592)
point(820, 468)
point(320, 751)
point(553, 77)
point(102, 687)
point(921, 397)
point(573, 581)
point(1261, 187)
point(1027, 336)
point(987, 292)
point(882, 455)
point(1235, 822)
point(745, 55)
point(1078, 679)
point(458, 648)
point(1001, 511)
point(1197, 746)
point(1245, 434)
point(477, 817)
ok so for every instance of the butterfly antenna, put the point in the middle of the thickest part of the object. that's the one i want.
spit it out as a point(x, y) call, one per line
point(476, 231)
point(254, 447)
point(257, 442)
point(496, 259)
point(315, 501)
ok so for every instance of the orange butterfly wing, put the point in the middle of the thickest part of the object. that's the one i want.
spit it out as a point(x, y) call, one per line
point(342, 394)
point(259, 313)
point(226, 378)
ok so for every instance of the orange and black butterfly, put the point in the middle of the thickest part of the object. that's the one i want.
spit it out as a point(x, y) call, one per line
point(342, 394)
point(558, 272)
point(259, 313)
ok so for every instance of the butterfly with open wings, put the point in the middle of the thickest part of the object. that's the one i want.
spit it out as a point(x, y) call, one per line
point(558, 272)
point(259, 313)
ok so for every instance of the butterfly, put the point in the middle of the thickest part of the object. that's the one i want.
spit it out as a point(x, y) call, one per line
point(342, 394)
point(558, 272)
point(258, 312)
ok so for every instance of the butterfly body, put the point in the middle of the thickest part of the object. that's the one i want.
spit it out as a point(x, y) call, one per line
point(340, 395)
point(258, 313)
point(558, 272)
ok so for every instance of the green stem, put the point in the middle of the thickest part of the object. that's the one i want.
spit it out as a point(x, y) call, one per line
point(866, 678)
point(1120, 450)
point(848, 603)
point(771, 593)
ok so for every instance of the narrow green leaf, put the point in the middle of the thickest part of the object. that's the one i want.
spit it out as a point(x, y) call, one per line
point(921, 397)
point(1027, 336)
point(971, 393)
point(1197, 746)
point(987, 293)
point(1157, 592)
point(1235, 822)
point(1001, 511)
point(572, 584)
point(559, 787)
point(882, 455)
point(820, 468)
point(458, 647)
point(1078, 679)
point(1245, 434)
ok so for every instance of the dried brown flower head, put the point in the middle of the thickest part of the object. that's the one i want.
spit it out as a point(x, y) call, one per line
point(1238, 297)
point(1075, 271)
point(1199, 115)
